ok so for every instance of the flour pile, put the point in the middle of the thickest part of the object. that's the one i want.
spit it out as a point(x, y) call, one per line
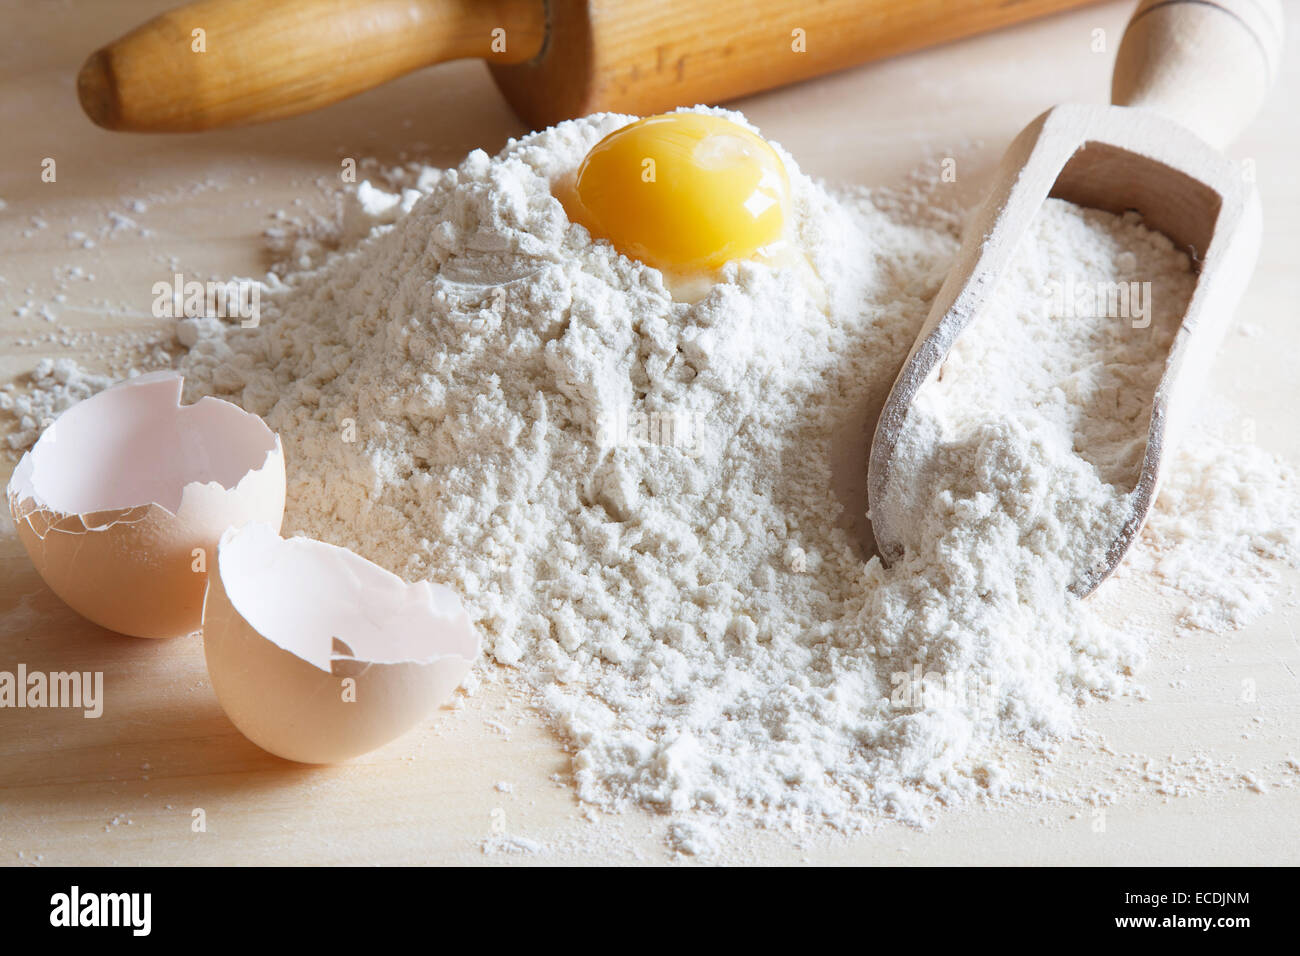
point(643, 501)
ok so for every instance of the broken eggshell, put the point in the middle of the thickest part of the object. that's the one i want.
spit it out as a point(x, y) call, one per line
point(122, 501)
point(317, 655)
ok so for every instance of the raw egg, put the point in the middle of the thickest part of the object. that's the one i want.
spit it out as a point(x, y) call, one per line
point(122, 501)
point(683, 192)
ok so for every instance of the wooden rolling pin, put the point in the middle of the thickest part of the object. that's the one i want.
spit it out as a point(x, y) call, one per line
point(226, 62)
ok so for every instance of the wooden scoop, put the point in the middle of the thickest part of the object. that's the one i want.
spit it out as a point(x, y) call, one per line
point(225, 62)
point(1188, 76)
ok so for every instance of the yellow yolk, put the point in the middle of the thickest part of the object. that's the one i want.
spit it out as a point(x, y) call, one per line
point(683, 192)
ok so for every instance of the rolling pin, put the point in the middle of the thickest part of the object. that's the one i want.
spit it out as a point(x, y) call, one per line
point(218, 63)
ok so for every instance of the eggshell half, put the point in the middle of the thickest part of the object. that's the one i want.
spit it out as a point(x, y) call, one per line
point(318, 655)
point(123, 500)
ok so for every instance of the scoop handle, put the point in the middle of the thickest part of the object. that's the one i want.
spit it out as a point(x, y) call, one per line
point(1206, 63)
point(222, 62)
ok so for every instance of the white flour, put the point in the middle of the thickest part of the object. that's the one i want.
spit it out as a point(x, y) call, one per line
point(638, 501)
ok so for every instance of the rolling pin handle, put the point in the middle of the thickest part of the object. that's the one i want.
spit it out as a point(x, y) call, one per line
point(213, 63)
point(1206, 63)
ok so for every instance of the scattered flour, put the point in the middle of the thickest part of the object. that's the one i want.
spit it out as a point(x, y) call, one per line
point(57, 385)
point(653, 508)
point(692, 838)
point(504, 843)
point(1227, 516)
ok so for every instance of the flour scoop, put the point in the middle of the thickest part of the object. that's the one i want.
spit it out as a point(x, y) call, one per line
point(1189, 75)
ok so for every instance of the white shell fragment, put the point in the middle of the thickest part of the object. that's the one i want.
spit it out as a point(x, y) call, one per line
point(318, 655)
point(122, 501)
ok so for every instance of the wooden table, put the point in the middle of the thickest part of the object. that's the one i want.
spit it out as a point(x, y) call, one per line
point(487, 783)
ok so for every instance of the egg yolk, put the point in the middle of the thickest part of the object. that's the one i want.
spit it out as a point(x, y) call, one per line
point(683, 192)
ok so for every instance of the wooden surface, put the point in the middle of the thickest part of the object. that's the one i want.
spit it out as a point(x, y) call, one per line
point(124, 788)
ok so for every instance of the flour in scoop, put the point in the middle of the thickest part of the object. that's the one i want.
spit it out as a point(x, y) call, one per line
point(1044, 402)
point(654, 509)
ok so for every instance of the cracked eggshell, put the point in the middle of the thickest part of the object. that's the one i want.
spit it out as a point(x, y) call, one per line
point(317, 655)
point(116, 496)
